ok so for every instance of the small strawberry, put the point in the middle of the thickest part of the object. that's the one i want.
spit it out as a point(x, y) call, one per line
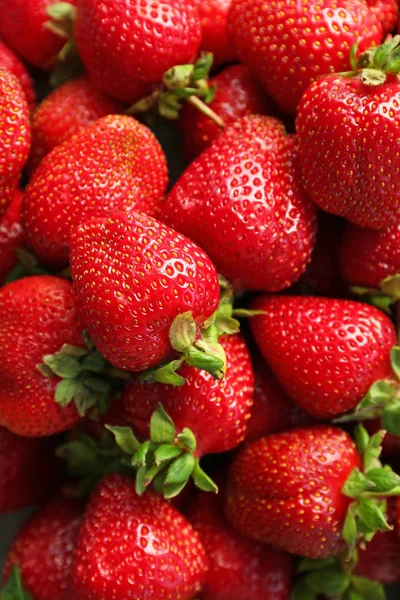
point(237, 94)
point(112, 165)
point(214, 32)
point(289, 44)
point(11, 62)
point(127, 47)
point(132, 546)
point(238, 567)
point(67, 110)
point(326, 353)
point(244, 193)
point(11, 235)
point(386, 11)
point(14, 147)
point(41, 554)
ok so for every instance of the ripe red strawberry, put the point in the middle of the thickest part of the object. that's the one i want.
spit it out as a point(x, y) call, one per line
point(237, 94)
point(243, 193)
point(28, 470)
point(238, 567)
point(386, 12)
point(325, 352)
point(43, 549)
point(289, 44)
point(112, 165)
point(214, 32)
point(132, 546)
point(14, 147)
point(11, 62)
point(23, 29)
point(11, 235)
point(126, 48)
point(66, 111)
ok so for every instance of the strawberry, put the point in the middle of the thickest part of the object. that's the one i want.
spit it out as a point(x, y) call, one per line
point(244, 193)
point(132, 546)
point(42, 550)
point(214, 33)
point(127, 47)
point(11, 62)
point(325, 352)
point(237, 93)
point(66, 111)
point(28, 470)
point(11, 235)
point(386, 11)
point(285, 43)
point(24, 29)
point(114, 164)
point(133, 276)
point(14, 147)
point(238, 567)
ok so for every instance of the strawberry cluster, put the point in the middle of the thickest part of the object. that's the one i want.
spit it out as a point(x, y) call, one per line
point(200, 367)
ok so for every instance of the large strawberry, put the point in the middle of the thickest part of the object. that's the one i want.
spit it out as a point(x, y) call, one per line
point(214, 32)
point(132, 546)
point(14, 147)
point(114, 164)
point(42, 551)
point(289, 44)
point(243, 193)
point(126, 48)
point(237, 93)
point(11, 62)
point(325, 352)
point(386, 11)
point(67, 110)
point(11, 235)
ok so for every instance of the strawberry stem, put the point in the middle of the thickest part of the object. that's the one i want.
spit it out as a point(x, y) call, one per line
point(205, 110)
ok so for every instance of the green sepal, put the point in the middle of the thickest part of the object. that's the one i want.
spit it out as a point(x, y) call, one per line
point(187, 439)
point(180, 469)
point(350, 530)
point(63, 365)
point(368, 590)
point(390, 287)
point(312, 564)
point(166, 452)
point(182, 333)
point(385, 480)
point(166, 373)
point(125, 438)
point(301, 591)
point(356, 484)
point(140, 484)
point(395, 360)
point(139, 459)
point(202, 480)
point(391, 418)
point(171, 491)
point(329, 580)
point(162, 428)
point(14, 589)
point(372, 515)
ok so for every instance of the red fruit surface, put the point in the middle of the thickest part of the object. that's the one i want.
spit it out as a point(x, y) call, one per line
point(380, 561)
point(214, 31)
point(325, 352)
point(127, 46)
point(238, 567)
point(243, 193)
point(132, 546)
point(43, 549)
point(285, 489)
point(22, 27)
point(14, 147)
point(133, 276)
point(11, 235)
point(237, 94)
point(115, 164)
point(217, 412)
point(37, 316)
point(64, 112)
point(349, 182)
point(11, 62)
point(386, 12)
point(289, 44)
point(28, 470)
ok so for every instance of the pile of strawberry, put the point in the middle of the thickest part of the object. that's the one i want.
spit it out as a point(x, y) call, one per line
point(200, 383)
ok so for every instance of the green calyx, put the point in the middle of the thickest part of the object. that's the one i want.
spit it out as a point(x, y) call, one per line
point(86, 377)
point(28, 265)
point(382, 298)
point(67, 64)
point(375, 64)
point(14, 589)
point(167, 460)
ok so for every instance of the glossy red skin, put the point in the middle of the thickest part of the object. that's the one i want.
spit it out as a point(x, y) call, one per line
point(14, 148)
point(367, 257)
point(115, 164)
point(126, 47)
point(349, 182)
point(380, 561)
point(244, 193)
point(133, 276)
point(44, 546)
point(214, 32)
point(28, 470)
point(12, 63)
point(289, 44)
point(132, 546)
point(238, 567)
point(37, 316)
point(386, 12)
point(217, 412)
point(22, 29)
point(326, 353)
point(237, 94)
point(64, 112)
point(285, 489)
point(11, 235)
